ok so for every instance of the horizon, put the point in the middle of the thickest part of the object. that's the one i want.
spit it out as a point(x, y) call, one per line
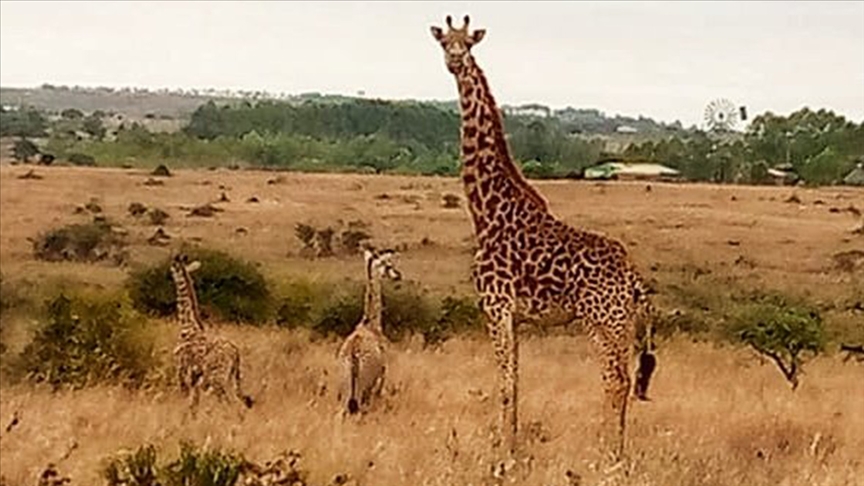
point(780, 57)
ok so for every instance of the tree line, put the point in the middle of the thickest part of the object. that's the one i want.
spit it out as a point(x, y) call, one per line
point(418, 137)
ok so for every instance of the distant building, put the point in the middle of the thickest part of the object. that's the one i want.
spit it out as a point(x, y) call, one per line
point(856, 177)
point(783, 175)
point(625, 129)
point(631, 171)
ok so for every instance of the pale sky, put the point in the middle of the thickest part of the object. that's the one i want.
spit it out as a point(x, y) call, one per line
point(664, 60)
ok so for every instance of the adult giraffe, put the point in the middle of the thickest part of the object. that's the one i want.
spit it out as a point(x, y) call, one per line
point(532, 264)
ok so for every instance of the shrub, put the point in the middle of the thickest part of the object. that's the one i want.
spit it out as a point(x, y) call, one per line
point(132, 469)
point(340, 312)
point(458, 314)
point(783, 331)
point(295, 309)
point(82, 159)
point(89, 242)
point(157, 216)
point(232, 289)
point(352, 239)
point(195, 467)
point(137, 209)
point(406, 311)
point(86, 340)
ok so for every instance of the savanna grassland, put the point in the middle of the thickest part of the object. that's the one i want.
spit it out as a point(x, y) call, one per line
point(719, 415)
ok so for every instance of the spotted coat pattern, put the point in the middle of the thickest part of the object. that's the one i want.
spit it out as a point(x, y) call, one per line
point(204, 361)
point(531, 264)
point(362, 356)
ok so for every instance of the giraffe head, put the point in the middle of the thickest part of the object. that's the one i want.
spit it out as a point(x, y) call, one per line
point(457, 44)
point(379, 263)
point(181, 265)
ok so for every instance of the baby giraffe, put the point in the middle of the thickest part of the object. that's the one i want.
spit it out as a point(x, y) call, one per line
point(204, 361)
point(362, 354)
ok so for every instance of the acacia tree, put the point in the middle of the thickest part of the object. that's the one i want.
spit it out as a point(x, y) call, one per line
point(785, 333)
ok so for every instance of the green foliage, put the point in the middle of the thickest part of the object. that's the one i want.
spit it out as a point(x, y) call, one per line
point(457, 315)
point(72, 114)
point(23, 149)
point(93, 126)
point(820, 146)
point(232, 289)
point(84, 160)
point(86, 242)
point(334, 310)
point(197, 467)
point(407, 310)
point(137, 468)
point(22, 123)
point(784, 331)
point(86, 340)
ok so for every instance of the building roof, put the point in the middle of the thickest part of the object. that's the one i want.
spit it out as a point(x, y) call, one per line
point(856, 177)
point(633, 169)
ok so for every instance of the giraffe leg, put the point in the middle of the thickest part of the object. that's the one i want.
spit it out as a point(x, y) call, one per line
point(506, 357)
point(612, 346)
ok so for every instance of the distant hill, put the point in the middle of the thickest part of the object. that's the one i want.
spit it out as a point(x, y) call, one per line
point(135, 103)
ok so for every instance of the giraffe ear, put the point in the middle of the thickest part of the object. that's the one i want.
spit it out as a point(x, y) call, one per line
point(477, 36)
point(437, 33)
point(193, 266)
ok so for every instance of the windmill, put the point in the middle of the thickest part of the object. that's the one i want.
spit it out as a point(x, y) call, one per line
point(722, 116)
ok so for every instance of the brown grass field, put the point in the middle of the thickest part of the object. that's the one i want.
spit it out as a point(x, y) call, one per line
point(719, 415)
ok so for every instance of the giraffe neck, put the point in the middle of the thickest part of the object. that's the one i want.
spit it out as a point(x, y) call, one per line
point(187, 304)
point(372, 301)
point(487, 167)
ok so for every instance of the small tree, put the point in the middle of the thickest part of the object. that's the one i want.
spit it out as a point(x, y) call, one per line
point(24, 149)
point(93, 125)
point(786, 333)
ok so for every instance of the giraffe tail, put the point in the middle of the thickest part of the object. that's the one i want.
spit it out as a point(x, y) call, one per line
point(647, 361)
point(353, 403)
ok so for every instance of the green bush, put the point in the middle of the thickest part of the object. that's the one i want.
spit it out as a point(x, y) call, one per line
point(407, 310)
point(786, 332)
point(296, 308)
point(231, 289)
point(82, 159)
point(86, 340)
point(457, 315)
point(195, 467)
point(340, 311)
point(88, 242)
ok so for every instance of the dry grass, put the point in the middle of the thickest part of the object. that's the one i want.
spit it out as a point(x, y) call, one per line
point(719, 417)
